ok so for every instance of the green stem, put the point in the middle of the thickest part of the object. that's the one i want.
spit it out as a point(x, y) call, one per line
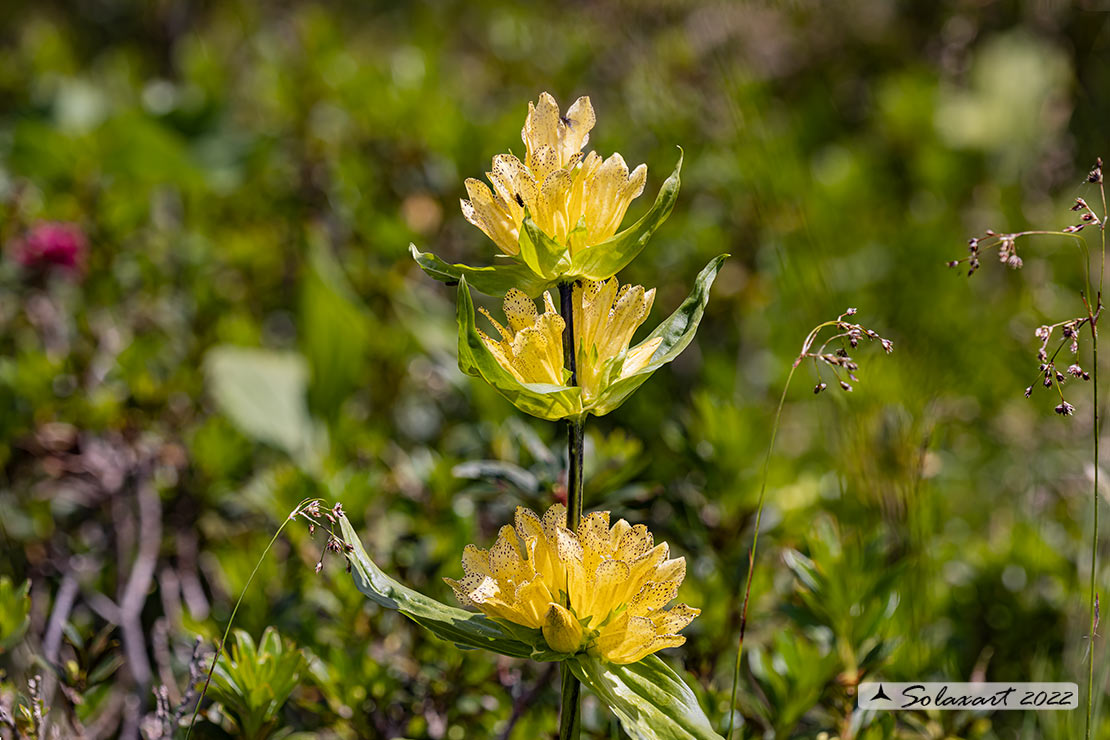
point(1094, 537)
point(751, 552)
point(570, 719)
point(575, 444)
point(1095, 436)
point(235, 610)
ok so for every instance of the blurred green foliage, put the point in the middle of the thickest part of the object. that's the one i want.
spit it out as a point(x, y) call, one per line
point(15, 606)
point(249, 178)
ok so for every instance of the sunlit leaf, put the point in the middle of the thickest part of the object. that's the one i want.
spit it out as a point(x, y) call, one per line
point(495, 280)
point(459, 626)
point(651, 700)
point(542, 253)
point(253, 682)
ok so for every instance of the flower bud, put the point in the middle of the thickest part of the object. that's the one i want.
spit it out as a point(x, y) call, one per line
point(561, 630)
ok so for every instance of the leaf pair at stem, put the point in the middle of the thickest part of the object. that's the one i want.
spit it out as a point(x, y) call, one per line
point(608, 370)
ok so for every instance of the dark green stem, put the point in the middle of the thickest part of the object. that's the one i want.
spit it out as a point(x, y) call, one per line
point(575, 443)
point(570, 708)
point(570, 718)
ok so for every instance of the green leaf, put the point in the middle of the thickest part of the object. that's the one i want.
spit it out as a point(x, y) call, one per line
point(676, 332)
point(495, 280)
point(15, 609)
point(541, 253)
point(546, 401)
point(264, 393)
point(459, 626)
point(253, 682)
point(651, 700)
point(603, 261)
point(335, 332)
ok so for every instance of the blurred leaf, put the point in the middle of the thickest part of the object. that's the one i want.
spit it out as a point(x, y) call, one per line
point(15, 608)
point(263, 392)
point(334, 334)
point(495, 470)
point(651, 700)
point(792, 674)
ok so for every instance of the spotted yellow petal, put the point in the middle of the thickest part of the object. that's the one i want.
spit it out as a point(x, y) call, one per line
point(602, 588)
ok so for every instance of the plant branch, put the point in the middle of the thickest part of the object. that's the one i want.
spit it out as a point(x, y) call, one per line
point(570, 714)
point(1098, 176)
point(570, 705)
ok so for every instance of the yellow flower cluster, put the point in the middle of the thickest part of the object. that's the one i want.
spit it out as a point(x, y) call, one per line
point(601, 589)
point(559, 188)
point(606, 316)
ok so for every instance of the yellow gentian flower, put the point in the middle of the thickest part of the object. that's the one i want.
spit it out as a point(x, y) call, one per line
point(601, 589)
point(531, 348)
point(577, 201)
point(605, 318)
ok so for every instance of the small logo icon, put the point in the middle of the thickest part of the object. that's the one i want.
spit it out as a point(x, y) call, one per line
point(880, 694)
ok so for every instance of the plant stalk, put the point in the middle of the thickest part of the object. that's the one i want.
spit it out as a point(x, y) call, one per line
point(1095, 438)
point(575, 445)
point(570, 717)
point(751, 553)
point(1094, 495)
point(1094, 535)
point(231, 620)
point(570, 720)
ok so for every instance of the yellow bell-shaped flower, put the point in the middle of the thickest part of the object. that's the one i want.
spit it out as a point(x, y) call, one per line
point(559, 187)
point(605, 318)
point(602, 589)
point(531, 348)
point(555, 212)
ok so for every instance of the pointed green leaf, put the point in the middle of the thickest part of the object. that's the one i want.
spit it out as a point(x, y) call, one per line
point(495, 280)
point(676, 332)
point(450, 623)
point(651, 700)
point(542, 253)
point(603, 261)
point(545, 401)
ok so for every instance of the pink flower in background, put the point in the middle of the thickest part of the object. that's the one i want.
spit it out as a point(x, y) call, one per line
point(52, 244)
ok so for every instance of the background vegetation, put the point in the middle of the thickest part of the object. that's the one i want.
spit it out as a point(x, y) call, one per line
point(251, 176)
